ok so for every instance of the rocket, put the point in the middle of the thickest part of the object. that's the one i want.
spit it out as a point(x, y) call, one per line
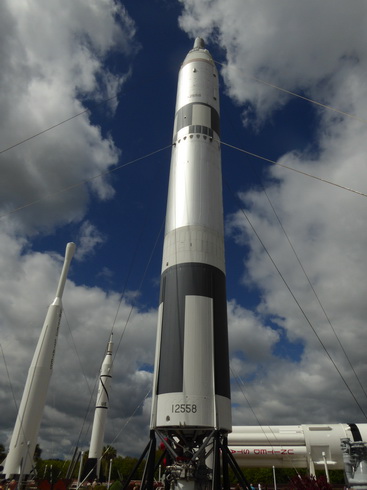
point(93, 464)
point(294, 446)
point(19, 460)
point(191, 402)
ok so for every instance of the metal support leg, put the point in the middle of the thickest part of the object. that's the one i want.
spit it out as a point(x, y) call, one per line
point(148, 475)
point(236, 469)
point(225, 462)
point(130, 477)
point(216, 482)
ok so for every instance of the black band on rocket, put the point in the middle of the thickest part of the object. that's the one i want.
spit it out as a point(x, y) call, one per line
point(194, 113)
point(355, 432)
point(177, 282)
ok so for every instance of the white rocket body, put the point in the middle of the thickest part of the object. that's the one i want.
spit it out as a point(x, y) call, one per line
point(293, 446)
point(100, 414)
point(191, 408)
point(19, 460)
point(191, 379)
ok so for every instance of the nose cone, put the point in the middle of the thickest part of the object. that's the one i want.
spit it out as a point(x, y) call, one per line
point(198, 52)
point(199, 43)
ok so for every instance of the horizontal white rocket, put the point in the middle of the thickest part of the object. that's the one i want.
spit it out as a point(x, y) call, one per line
point(309, 446)
point(19, 460)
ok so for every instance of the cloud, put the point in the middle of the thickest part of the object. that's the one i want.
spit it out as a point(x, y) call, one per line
point(54, 62)
point(276, 43)
point(48, 74)
point(323, 224)
point(27, 284)
point(89, 239)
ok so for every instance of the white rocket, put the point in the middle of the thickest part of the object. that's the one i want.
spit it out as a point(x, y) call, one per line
point(93, 464)
point(312, 446)
point(191, 388)
point(191, 408)
point(19, 460)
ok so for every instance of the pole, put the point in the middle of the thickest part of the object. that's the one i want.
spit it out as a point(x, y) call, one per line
point(326, 468)
point(109, 475)
point(274, 478)
point(80, 468)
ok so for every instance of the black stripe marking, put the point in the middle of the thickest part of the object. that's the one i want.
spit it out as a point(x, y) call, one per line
point(183, 117)
point(197, 280)
point(355, 432)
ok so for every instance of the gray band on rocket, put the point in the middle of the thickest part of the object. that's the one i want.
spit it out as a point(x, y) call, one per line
point(355, 432)
point(201, 117)
point(177, 282)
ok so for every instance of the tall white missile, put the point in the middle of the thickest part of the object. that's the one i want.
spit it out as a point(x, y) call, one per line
point(191, 403)
point(24, 439)
point(93, 464)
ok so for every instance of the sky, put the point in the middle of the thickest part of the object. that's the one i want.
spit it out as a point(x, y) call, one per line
point(87, 101)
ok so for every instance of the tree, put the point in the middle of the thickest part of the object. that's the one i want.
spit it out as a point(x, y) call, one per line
point(37, 453)
point(52, 469)
point(122, 468)
point(309, 482)
point(2, 453)
point(108, 453)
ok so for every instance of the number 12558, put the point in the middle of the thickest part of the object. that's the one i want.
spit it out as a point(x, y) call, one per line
point(184, 408)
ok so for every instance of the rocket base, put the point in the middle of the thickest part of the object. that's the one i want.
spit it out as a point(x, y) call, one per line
point(90, 469)
point(204, 467)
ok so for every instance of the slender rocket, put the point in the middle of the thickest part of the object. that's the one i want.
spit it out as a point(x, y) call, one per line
point(24, 439)
point(191, 387)
point(93, 464)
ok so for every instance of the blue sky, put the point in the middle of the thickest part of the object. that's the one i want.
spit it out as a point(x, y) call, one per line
point(133, 50)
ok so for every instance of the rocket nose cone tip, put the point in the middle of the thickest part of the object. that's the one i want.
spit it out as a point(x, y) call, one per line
point(199, 43)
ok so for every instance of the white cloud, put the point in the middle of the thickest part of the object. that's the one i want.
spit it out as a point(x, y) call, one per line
point(295, 46)
point(89, 238)
point(319, 50)
point(53, 60)
point(27, 285)
point(47, 72)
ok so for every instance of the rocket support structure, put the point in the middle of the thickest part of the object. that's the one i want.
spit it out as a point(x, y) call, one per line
point(93, 464)
point(19, 460)
point(191, 405)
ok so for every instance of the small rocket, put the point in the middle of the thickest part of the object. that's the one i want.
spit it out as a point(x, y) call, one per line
point(19, 460)
point(191, 387)
point(93, 464)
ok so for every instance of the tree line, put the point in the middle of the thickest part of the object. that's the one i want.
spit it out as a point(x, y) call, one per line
point(122, 466)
